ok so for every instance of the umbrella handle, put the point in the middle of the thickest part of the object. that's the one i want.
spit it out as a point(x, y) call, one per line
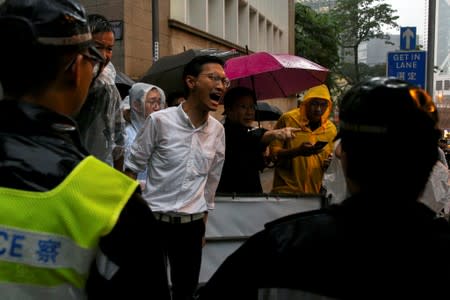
point(254, 95)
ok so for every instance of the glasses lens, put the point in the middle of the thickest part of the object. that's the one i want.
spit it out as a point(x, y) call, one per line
point(154, 102)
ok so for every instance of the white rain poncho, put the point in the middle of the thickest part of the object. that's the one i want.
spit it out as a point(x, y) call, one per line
point(136, 98)
point(436, 194)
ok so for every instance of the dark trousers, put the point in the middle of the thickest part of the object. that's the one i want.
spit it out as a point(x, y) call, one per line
point(182, 245)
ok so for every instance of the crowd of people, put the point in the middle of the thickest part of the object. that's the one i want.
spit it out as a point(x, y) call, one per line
point(108, 198)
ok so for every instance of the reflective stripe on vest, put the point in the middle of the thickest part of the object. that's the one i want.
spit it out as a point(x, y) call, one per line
point(49, 239)
point(22, 291)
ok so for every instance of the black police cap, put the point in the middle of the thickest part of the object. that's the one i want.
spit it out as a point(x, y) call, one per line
point(382, 104)
point(52, 22)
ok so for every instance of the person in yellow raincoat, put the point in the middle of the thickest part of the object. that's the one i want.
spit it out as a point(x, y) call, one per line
point(299, 165)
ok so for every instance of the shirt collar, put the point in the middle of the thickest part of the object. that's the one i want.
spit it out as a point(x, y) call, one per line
point(184, 116)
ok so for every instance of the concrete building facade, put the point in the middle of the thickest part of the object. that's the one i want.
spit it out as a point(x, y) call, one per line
point(259, 25)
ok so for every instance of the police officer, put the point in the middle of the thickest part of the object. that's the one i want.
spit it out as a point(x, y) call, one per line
point(381, 242)
point(70, 226)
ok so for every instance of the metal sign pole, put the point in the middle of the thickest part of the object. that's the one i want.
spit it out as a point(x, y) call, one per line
point(155, 29)
point(430, 52)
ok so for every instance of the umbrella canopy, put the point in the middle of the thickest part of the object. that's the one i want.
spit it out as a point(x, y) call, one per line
point(167, 72)
point(274, 75)
point(123, 83)
point(267, 112)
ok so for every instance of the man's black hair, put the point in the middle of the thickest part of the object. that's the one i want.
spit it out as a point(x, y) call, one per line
point(233, 94)
point(172, 97)
point(99, 24)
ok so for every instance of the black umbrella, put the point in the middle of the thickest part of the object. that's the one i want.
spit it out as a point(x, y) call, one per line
point(123, 83)
point(267, 112)
point(167, 72)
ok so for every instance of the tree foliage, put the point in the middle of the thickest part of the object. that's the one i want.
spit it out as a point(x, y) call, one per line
point(316, 37)
point(347, 70)
point(362, 20)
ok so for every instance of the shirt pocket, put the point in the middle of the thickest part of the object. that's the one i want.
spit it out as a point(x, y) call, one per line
point(202, 162)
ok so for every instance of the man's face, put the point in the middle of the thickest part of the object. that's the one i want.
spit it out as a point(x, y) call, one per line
point(315, 108)
point(210, 85)
point(242, 111)
point(104, 42)
point(152, 102)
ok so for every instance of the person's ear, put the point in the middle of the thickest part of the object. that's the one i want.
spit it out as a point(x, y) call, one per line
point(190, 81)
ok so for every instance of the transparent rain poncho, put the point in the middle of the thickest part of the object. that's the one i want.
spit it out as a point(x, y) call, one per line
point(436, 194)
point(101, 123)
point(136, 99)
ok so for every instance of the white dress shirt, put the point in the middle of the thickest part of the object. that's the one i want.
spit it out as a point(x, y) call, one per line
point(183, 163)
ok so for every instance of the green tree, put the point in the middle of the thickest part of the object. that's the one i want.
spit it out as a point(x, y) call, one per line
point(347, 70)
point(316, 38)
point(359, 21)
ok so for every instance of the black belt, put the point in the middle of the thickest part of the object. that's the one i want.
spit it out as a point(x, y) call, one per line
point(177, 219)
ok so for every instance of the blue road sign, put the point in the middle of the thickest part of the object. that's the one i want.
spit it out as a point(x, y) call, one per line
point(408, 65)
point(408, 38)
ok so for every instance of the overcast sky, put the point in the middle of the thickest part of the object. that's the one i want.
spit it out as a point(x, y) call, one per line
point(411, 14)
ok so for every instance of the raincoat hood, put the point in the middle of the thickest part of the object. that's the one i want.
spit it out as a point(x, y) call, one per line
point(321, 92)
point(137, 102)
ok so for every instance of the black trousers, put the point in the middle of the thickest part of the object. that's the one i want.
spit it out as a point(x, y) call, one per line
point(182, 244)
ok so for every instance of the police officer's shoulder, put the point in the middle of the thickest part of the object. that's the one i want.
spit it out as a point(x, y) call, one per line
point(301, 217)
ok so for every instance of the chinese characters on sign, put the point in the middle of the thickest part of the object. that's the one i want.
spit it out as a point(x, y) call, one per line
point(408, 65)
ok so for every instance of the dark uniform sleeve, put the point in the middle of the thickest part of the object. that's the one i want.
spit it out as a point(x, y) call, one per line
point(132, 253)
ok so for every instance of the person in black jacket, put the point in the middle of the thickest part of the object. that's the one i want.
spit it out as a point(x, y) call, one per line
point(70, 226)
point(380, 243)
point(245, 145)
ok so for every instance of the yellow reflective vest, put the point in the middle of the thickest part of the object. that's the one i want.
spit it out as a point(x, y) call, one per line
point(48, 240)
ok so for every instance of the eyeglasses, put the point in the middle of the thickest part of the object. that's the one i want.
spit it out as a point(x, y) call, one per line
point(153, 101)
point(224, 80)
point(97, 63)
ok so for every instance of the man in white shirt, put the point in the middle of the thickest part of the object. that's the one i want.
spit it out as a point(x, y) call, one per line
point(183, 149)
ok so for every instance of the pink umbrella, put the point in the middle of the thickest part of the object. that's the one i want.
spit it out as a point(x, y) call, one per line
point(274, 75)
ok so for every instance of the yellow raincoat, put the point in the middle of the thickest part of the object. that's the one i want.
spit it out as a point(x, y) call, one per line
point(303, 174)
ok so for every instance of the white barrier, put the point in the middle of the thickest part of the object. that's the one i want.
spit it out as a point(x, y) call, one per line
point(236, 218)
